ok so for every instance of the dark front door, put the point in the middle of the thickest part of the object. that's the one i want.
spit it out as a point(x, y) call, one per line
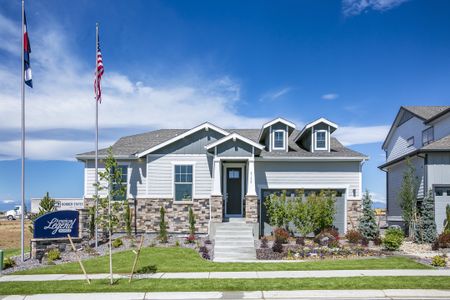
point(234, 191)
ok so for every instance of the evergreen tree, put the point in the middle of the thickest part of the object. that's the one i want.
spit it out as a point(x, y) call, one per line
point(447, 219)
point(191, 222)
point(426, 227)
point(407, 198)
point(367, 222)
point(162, 235)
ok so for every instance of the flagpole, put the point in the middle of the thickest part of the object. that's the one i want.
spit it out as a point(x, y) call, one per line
point(96, 141)
point(22, 183)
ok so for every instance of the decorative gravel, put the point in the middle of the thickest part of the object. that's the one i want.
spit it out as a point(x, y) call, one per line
point(88, 251)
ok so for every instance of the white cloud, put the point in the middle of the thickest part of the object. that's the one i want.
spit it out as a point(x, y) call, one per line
point(8, 201)
point(378, 198)
point(330, 96)
point(63, 98)
point(352, 135)
point(356, 7)
point(274, 95)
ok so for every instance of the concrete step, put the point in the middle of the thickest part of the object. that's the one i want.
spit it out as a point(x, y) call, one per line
point(234, 241)
point(234, 244)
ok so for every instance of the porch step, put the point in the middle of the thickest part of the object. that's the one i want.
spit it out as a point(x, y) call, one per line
point(234, 242)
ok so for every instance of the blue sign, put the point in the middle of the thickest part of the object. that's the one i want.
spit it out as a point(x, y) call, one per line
point(57, 224)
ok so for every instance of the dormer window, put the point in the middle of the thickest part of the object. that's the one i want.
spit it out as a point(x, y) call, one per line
point(278, 140)
point(321, 140)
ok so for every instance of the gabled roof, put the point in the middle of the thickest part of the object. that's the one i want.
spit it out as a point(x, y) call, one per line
point(265, 126)
point(425, 113)
point(203, 126)
point(332, 125)
point(234, 136)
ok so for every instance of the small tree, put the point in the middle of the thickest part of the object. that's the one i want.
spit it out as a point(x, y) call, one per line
point(407, 197)
point(191, 222)
point(91, 222)
point(162, 235)
point(447, 219)
point(127, 218)
point(323, 210)
point(46, 205)
point(367, 222)
point(302, 214)
point(426, 227)
point(277, 210)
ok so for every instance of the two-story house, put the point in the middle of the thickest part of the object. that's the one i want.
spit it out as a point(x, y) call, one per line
point(421, 133)
point(227, 173)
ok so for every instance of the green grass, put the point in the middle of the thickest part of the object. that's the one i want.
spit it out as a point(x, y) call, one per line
point(11, 252)
point(187, 260)
point(172, 285)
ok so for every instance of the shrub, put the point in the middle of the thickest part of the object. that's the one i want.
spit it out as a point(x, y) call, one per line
point(281, 235)
point(127, 218)
point(117, 243)
point(53, 255)
point(203, 249)
point(367, 222)
point(444, 240)
point(277, 246)
point(364, 242)
point(264, 243)
point(8, 262)
point(334, 244)
point(447, 219)
point(393, 239)
point(324, 238)
point(325, 209)
point(162, 235)
point(435, 245)
point(277, 209)
point(377, 241)
point(353, 236)
point(439, 261)
point(208, 242)
point(177, 244)
point(150, 269)
point(300, 241)
point(190, 239)
point(206, 256)
point(302, 213)
point(191, 221)
point(333, 231)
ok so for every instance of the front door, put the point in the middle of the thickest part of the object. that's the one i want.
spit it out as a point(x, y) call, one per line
point(234, 191)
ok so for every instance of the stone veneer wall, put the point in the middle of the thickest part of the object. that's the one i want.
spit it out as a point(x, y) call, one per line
point(251, 209)
point(354, 209)
point(177, 214)
point(216, 209)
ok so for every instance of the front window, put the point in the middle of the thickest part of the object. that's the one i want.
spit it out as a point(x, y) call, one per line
point(321, 142)
point(410, 141)
point(278, 139)
point(123, 182)
point(427, 136)
point(183, 182)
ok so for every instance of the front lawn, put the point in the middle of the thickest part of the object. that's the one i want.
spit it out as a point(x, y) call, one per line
point(187, 260)
point(172, 285)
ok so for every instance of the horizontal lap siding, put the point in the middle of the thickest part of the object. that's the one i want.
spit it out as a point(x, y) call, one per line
point(160, 174)
point(301, 174)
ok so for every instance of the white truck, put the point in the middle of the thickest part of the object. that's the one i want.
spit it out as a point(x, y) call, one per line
point(14, 213)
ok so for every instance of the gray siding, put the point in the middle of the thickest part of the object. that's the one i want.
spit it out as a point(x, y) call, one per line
point(438, 174)
point(395, 178)
point(397, 145)
point(160, 174)
point(192, 144)
point(234, 149)
point(308, 174)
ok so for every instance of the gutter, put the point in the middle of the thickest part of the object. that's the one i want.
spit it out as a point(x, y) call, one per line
point(275, 158)
point(410, 154)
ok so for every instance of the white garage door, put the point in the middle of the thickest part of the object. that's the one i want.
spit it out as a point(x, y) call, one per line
point(441, 200)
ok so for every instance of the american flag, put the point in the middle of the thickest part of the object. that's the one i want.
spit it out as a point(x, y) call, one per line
point(98, 74)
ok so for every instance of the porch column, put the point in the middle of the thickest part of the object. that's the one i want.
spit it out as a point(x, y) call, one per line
point(251, 200)
point(216, 184)
point(251, 188)
point(216, 202)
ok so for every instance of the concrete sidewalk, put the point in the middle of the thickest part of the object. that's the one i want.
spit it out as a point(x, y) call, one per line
point(256, 295)
point(235, 275)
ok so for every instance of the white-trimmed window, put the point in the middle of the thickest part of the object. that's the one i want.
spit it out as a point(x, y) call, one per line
point(427, 136)
point(321, 140)
point(183, 182)
point(124, 182)
point(278, 140)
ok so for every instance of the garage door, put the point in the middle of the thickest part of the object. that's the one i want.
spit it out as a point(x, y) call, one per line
point(441, 199)
point(339, 220)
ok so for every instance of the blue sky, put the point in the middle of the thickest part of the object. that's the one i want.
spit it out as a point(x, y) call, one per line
point(235, 63)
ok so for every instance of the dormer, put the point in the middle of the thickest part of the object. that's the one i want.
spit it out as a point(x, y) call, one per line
point(275, 134)
point(316, 136)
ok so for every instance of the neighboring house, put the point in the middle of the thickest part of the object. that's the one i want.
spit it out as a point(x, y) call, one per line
point(225, 173)
point(421, 133)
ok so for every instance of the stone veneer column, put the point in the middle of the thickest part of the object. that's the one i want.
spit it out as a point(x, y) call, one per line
point(251, 209)
point(354, 209)
point(216, 208)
